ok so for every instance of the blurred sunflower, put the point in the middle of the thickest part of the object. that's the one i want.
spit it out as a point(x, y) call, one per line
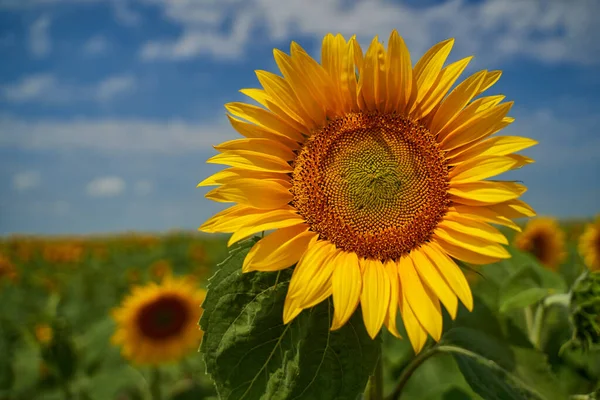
point(7, 269)
point(589, 245)
point(373, 177)
point(543, 238)
point(158, 323)
point(44, 333)
point(160, 269)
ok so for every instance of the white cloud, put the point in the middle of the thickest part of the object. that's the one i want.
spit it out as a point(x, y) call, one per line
point(107, 186)
point(113, 135)
point(96, 45)
point(47, 89)
point(124, 14)
point(547, 30)
point(39, 37)
point(30, 88)
point(113, 86)
point(26, 180)
point(143, 187)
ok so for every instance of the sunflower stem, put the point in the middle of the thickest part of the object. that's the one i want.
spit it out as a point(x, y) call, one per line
point(528, 312)
point(536, 330)
point(409, 370)
point(155, 379)
point(375, 386)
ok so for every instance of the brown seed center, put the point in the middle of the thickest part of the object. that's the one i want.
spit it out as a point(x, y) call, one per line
point(163, 318)
point(375, 184)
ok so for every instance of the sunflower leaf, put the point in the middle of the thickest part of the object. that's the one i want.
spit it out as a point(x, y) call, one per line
point(251, 354)
point(497, 370)
point(523, 299)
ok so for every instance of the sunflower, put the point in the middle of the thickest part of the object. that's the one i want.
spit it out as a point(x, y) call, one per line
point(543, 238)
point(7, 269)
point(372, 174)
point(589, 245)
point(44, 333)
point(158, 323)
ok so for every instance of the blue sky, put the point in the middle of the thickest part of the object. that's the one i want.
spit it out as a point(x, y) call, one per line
point(109, 109)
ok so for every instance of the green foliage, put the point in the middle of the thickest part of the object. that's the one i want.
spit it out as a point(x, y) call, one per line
point(495, 351)
point(250, 354)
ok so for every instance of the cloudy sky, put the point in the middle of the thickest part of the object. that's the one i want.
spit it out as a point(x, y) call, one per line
point(109, 109)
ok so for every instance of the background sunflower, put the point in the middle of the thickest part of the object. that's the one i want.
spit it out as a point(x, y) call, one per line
point(589, 245)
point(158, 323)
point(544, 238)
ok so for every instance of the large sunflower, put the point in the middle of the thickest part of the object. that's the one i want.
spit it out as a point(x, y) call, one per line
point(543, 238)
point(158, 323)
point(374, 180)
point(589, 245)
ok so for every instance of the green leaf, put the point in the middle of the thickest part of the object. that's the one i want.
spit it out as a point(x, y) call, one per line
point(533, 368)
point(488, 379)
point(108, 384)
point(251, 354)
point(509, 369)
point(523, 299)
point(480, 343)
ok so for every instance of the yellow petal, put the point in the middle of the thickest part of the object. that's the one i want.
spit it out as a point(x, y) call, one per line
point(264, 118)
point(257, 193)
point(273, 105)
point(372, 77)
point(283, 95)
point(358, 53)
point(484, 214)
point(375, 296)
point(513, 209)
point(391, 268)
point(319, 82)
point(485, 192)
point(432, 278)
point(318, 287)
point(473, 244)
point(307, 268)
point(427, 312)
point(230, 175)
point(232, 218)
point(301, 88)
point(349, 84)
point(496, 146)
point(429, 66)
point(455, 222)
point(399, 74)
point(520, 160)
point(477, 127)
point(470, 112)
point(444, 82)
point(414, 329)
point(466, 255)
point(259, 95)
point(254, 131)
point(259, 145)
point(346, 284)
point(280, 249)
point(456, 101)
point(251, 160)
point(290, 309)
point(480, 168)
point(451, 273)
point(274, 220)
point(491, 77)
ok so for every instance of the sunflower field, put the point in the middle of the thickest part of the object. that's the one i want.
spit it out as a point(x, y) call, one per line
point(522, 340)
